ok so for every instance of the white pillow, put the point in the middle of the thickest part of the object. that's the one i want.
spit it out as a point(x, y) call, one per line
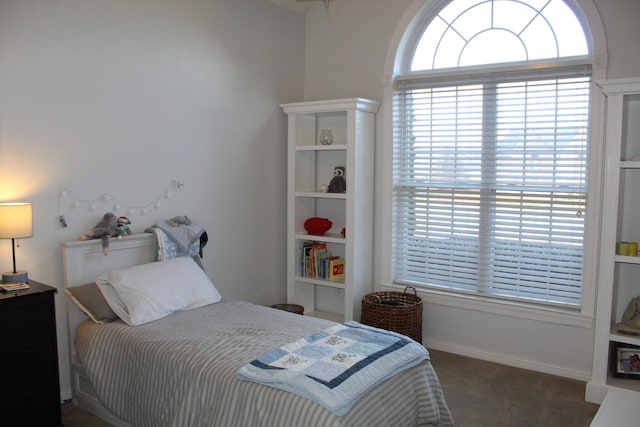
point(151, 291)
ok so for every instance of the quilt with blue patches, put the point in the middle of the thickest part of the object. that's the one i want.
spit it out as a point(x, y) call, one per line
point(336, 366)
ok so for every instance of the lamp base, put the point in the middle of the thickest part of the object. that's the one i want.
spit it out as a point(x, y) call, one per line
point(17, 277)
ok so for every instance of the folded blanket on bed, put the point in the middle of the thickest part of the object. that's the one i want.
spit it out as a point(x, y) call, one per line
point(337, 365)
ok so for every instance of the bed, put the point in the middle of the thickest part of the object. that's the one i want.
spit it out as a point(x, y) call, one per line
point(182, 369)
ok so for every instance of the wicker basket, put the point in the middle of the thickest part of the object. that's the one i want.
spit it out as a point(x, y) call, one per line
point(394, 311)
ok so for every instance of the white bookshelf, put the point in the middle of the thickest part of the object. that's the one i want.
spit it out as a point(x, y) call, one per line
point(310, 166)
point(618, 275)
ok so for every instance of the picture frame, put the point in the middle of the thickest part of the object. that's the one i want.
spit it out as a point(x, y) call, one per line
point(626, 361)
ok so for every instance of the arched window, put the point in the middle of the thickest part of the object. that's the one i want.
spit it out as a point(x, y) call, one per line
point(491, 147)
point(477, 32)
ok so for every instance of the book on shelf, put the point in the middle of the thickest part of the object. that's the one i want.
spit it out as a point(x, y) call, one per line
point(305, 259)
point(316, 262)
point(7, 287)
point(317, 250)
point(336, 269)
point(323, 263)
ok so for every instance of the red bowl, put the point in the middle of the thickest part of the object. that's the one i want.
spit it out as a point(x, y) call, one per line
point(317, 226)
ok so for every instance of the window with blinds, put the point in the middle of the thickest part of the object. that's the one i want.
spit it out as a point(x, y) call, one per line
point(490, 183)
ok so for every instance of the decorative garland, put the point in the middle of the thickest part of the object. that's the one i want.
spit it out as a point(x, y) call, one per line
point(117, 205)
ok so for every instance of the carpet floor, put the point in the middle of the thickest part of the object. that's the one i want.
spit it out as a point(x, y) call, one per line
point(479, 394)
point(485, 394)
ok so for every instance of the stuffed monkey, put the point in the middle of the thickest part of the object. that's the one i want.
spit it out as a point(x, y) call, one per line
point(122, 226)
point(103, 230)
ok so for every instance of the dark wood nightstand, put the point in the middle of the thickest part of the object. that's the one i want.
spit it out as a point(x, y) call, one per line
point(30, 383)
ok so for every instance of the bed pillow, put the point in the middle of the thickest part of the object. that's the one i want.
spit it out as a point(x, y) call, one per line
point(90, 300)
point(152, 291)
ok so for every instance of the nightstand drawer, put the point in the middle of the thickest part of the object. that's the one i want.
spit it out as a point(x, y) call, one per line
point(30, 378)
point(26, 327)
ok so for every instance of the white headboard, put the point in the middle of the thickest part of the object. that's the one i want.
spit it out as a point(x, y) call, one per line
point(83, 262)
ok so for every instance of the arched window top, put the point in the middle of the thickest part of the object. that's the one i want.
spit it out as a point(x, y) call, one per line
point(479, 32)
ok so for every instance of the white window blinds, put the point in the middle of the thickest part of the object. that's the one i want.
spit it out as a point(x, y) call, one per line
point(490, 178)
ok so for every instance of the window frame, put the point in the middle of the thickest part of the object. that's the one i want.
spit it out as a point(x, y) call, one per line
point(406, 38)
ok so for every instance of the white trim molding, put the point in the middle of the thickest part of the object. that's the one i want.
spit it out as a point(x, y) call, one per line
point(506, 360)
point(558, 316)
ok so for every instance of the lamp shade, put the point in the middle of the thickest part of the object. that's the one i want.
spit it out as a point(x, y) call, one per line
point(16, 221)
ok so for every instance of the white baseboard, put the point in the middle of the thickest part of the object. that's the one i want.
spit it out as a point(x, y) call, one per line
point(66, 395)
point(508, 360)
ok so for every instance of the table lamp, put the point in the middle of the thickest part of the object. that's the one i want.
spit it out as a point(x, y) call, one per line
point(16, 222)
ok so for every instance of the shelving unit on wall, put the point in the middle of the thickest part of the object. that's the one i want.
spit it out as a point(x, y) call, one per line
point(618, 274)
point(310, 170)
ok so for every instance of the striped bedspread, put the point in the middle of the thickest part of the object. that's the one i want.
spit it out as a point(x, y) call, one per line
point(182, 371)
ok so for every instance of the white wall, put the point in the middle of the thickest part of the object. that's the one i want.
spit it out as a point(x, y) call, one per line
point(346, 49)
point(123, 96)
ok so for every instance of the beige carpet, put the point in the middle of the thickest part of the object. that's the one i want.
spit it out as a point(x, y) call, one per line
point(487, 394)
point(479, 394)
point(73, 416)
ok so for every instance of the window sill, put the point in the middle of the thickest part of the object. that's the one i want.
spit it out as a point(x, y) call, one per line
point(520, 310)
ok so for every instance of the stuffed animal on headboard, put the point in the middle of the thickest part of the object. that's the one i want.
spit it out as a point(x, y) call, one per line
point(122, 226)
point(104, 229)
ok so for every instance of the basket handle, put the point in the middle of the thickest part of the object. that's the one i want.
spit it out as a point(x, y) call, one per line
point(411, 287)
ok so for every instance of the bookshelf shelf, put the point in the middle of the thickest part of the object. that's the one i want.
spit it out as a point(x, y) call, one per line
point(630, 164)
point(339, 285)
point(331, 147)
point(627, 259)
point(625, 339)
point(321, 195)
point(329, 238)
point(310, 171)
